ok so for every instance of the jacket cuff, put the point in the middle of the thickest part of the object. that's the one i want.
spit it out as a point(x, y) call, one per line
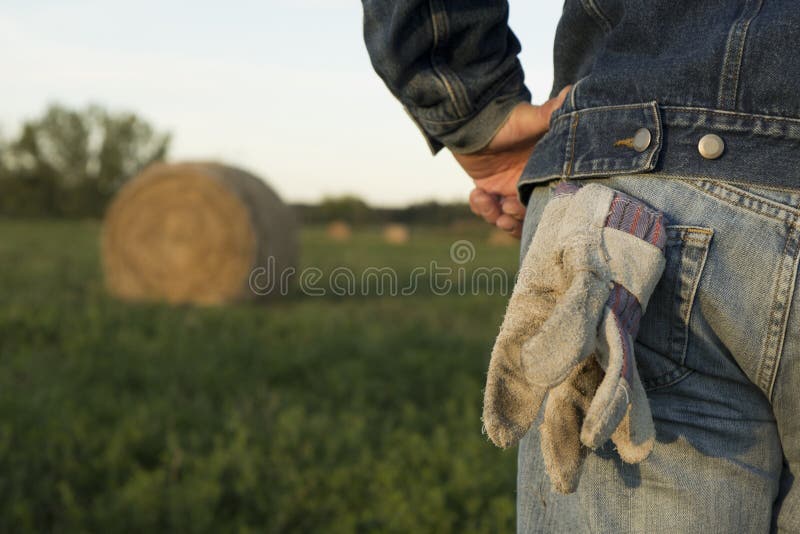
point(475, 132)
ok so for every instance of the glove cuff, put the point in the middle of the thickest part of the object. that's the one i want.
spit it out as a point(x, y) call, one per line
point(636, 218)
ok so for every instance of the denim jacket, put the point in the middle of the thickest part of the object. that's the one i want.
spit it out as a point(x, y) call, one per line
point(683, 87)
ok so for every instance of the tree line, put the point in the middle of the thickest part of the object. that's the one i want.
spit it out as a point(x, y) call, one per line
point(70, 162)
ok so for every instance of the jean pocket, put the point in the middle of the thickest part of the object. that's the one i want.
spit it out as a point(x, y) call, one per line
point(664, 332)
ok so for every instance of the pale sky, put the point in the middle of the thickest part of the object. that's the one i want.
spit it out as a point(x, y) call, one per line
point(283, 88)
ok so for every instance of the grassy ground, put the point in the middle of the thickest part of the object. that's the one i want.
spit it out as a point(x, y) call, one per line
point(310, 414)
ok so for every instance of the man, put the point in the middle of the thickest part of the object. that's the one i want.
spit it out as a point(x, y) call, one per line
point(692, 108)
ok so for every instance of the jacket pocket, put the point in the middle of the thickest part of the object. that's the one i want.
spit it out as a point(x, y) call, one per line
point(664, 334)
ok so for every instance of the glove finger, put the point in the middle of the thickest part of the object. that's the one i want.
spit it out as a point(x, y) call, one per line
point(610, 403)
point(636, 434)
point(562, 450)
point(511, 403)
point(568, 335)
point(566, 405)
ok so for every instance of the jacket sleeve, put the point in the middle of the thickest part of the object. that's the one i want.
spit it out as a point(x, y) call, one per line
point(452, 64)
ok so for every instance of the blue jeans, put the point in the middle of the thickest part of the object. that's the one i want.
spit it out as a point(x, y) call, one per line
point(719, 355)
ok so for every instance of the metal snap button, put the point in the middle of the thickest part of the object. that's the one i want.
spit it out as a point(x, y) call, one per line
point(711, 146)
point(642, 139)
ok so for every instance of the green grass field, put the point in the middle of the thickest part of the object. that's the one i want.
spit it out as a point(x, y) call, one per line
point(309, 414)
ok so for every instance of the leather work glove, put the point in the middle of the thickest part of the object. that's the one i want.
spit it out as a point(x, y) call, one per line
point(564, 414)
point(570, 325)
point(511, 399)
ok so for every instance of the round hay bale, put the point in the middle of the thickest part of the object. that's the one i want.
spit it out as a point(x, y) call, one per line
point(396, 234)
point(194, 233)
point(339, 231)
point(499, 238)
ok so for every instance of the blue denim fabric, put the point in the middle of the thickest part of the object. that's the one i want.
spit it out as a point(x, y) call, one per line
point(582, 143)
point(452, 64)
point(680, 67)
point(719, 354)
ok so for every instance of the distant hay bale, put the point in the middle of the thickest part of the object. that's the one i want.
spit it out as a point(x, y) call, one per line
point(499, 238)
point(396, 234)
point(194, 233)
point(339, 231)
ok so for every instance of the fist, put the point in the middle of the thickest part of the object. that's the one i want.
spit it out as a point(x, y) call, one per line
point(496, 168)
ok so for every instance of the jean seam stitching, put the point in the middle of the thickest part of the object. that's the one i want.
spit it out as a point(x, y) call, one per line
point(699, 265)
point(657, 144)
point(737, 38)
point(603, 109)
point(596, 14)
point(784, 214)
point(772, 347)
point(779, 348)
point(650, 385)
point(682, 109)
point(687, 281)
point(570, 147)
point(439, 26)
point(715, 111)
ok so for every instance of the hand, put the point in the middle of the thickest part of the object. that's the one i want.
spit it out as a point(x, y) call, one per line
point(497, 168)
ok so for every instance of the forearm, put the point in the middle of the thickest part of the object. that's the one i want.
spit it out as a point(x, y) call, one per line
point(452, 63)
